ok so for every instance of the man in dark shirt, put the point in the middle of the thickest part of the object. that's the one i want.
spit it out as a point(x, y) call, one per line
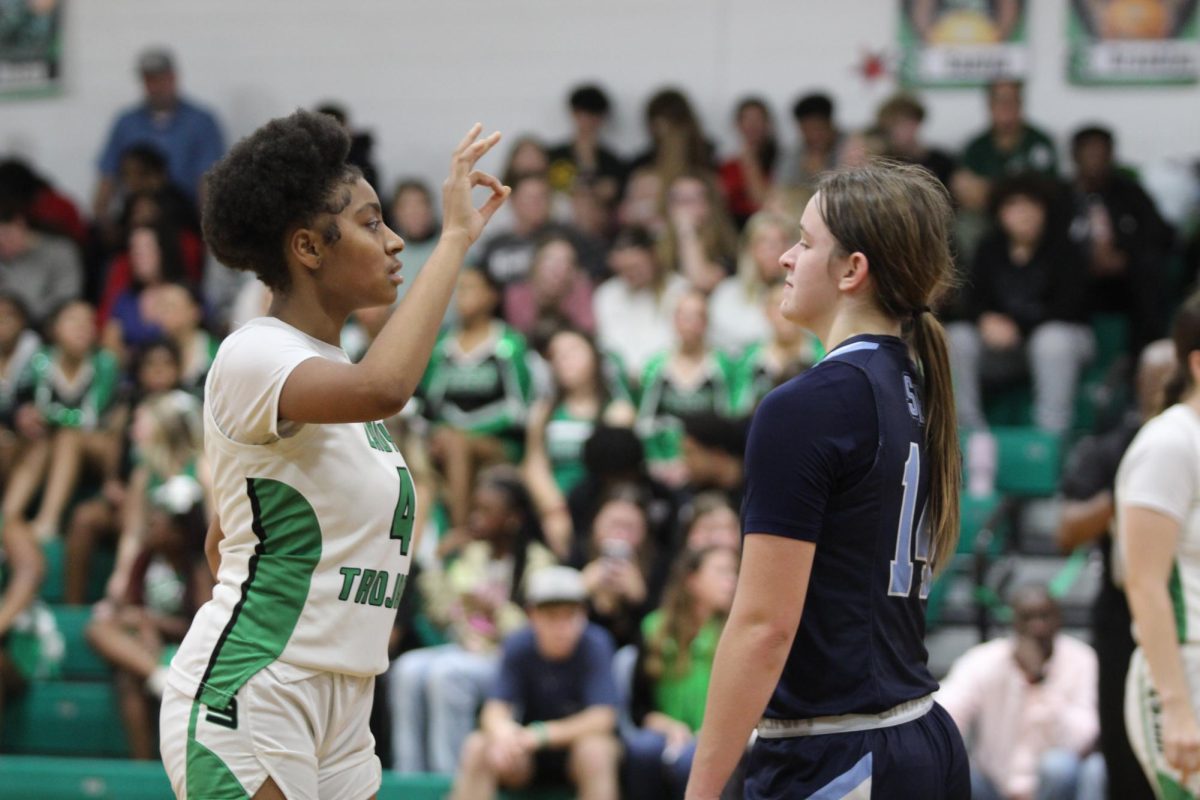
point(584, 159)
point(1087, 516)
point(551, 716)
point(1125, 240)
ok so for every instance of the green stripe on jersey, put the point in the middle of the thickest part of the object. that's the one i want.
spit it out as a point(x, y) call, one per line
point(276, 588)
point(1170, 789)
point(1178, 604)
point(207, 775)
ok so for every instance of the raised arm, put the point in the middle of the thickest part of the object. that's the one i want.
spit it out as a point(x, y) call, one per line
point(324, 391)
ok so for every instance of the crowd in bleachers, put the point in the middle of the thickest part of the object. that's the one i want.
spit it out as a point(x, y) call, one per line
point(585, 405)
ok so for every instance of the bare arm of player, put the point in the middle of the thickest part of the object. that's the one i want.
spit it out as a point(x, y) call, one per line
point(1149, 543)
point(772, 586)
point(324, 391)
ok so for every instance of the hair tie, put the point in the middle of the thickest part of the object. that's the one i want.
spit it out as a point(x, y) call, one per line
point(922, 310)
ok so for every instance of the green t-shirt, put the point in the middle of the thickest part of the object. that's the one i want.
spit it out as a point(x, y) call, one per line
point(1034, 153)
point(681, 696)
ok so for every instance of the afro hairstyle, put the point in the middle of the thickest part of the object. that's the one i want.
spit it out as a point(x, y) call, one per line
point(282, 176)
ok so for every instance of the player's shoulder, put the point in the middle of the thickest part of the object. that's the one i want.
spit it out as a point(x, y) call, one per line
point(824, 385)
point(264, 341)
point(1172, 433)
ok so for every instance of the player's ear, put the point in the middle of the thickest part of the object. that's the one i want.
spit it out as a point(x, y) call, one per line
point(304, 246)
point(853, 272)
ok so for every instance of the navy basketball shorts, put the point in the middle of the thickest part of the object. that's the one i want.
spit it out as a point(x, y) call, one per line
point(922, 759)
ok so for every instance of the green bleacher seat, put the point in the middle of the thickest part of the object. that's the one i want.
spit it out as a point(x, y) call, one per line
point(1028, 461)
point(81, 661)
point(65, 718)
point(49, 778)
point(975, 511)
point(52, 584)
point(1112, 339)
point(73, 778)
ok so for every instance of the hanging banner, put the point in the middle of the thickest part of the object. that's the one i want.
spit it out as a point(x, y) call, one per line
point(956, 43)
point(30, 47)
point(1122, 42)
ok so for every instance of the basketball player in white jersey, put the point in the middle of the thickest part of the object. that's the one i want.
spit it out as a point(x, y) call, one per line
point(270, 693)
point(1158, 527)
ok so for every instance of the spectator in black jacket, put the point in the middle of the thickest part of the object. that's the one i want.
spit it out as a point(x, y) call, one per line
point(1125, 240)
point(1026, 307)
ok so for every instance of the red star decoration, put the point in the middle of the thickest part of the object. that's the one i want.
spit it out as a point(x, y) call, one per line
point(873, 66)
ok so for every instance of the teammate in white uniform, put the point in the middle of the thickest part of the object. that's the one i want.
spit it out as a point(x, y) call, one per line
point(1158, 519)
point(270, 693)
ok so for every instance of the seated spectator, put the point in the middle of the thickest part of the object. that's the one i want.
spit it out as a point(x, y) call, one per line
point(48, 209)
point(819, 140)
point(714, 449)
point(98, 519)
point(736, 305)
point(560, 425)
point(148, 196)
point(1028, 306)
point(361, 142)
point(128, 317)
point(40, 270)
point(786, 352)
point(746, 178)
point(670, 678)
point(31, 647)
point(474, 597)
point(584, 159)
point(186, 133)
point(677, 143)
point(690, 378)
point(414, 217)
point(161, 577)
point(641, 205)
point(1027, 705)
point(62, 412)
point(19, 343)
point(1089, 516)
point(700, 242)
point(527, 156)
point(507, 255)
point(1010, 146)
point(710, 521)
point(859, 148)
point(899, 121)
point(614, 458)
point(552, 713)
point(1125, 240)
point(556, 289)
point(623, 574)
point(178, 313)
point(635, 307)
point(476, 390)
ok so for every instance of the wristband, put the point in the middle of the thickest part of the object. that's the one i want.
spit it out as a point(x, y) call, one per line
point(540, 733)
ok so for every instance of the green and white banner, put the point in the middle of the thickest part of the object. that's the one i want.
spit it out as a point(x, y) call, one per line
point(30, 47)
point(1121, 42)
point(955, 43)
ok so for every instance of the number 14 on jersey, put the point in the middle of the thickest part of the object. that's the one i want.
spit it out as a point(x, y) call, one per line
point(902, 564)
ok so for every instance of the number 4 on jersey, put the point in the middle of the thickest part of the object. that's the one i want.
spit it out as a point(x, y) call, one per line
point(402, 519)
point(902, 564)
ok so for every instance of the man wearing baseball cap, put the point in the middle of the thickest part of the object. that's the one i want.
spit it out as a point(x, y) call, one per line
point(186, 133)
point(551, 716)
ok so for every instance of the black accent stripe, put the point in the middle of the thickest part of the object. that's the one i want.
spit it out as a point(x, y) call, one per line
point(259, 549)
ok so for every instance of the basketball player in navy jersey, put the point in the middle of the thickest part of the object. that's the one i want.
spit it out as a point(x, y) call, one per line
point(852, 475)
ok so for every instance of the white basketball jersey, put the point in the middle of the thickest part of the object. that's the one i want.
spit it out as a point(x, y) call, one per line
point(317, 520)
point(1161, 471)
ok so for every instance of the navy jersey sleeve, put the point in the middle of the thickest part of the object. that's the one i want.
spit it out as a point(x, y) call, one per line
point(809, 439)
point(599, 688)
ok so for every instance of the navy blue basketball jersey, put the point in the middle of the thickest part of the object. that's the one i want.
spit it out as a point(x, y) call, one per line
point(837, 457)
